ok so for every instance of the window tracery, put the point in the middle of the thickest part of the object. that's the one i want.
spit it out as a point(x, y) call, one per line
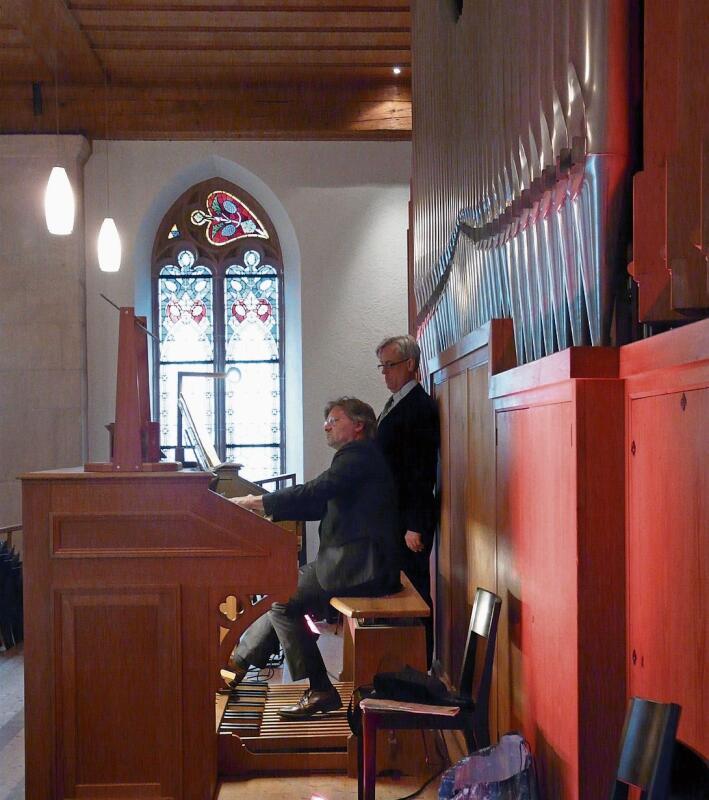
point(217, 307)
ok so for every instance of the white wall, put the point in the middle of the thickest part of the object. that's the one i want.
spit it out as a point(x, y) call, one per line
point(340, 209)
point(42, 318)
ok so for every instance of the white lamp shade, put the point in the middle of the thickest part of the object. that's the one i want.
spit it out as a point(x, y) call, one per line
point(59, 203)
point(109, 246)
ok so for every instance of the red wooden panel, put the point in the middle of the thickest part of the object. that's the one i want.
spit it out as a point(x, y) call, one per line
point(537, 567)
point(678, 350)
point(668, 520)
point(600, 501)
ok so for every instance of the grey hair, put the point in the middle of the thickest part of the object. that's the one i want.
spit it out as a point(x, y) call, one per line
point(407, 346)
point(357, 411)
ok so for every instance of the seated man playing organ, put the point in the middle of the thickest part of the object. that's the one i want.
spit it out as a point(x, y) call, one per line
point(358, 555)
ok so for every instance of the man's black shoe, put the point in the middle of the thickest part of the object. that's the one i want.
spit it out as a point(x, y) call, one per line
point(311, 703)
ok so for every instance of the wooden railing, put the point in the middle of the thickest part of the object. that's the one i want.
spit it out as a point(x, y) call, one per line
point(12, 534)
point(11, 627)
point(280, 481)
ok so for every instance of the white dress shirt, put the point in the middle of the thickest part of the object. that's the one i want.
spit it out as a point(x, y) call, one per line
point(397, 397)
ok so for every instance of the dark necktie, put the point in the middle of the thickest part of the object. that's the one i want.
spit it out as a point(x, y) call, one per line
point(387, 406)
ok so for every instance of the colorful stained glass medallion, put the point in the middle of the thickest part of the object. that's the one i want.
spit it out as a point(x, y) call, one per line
point(251, 311)
point(228, 219)
point(186, 330)
point(174, 233)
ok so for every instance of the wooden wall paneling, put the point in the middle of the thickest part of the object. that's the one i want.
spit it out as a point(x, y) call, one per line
point(510, 693)
point(119, 652)
point(39, 675)
point(679, 354)
point(480, 505)
point(457, 600)
point(669, 194)
point(560, 564)
point(441, 575)
point(600, 502)
point(467, 558)
point(668, 520)
point(667, 380)
point(535, 490)
point(480, 532)
point(199, 632)
point(492, 343)
point(687, 185)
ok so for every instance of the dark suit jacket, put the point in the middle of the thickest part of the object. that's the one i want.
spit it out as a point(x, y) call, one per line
point(356, 502)
point(409, 436)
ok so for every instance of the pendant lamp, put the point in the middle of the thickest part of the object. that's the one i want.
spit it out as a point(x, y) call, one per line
point(109, 246)
point(58, 196)
point(59, 203)
point(109, 242)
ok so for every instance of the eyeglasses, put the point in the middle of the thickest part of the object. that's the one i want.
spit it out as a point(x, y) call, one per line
point(331, 421)
point(389, 364)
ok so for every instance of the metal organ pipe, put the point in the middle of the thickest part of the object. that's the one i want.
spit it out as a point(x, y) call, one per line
point(520, 166)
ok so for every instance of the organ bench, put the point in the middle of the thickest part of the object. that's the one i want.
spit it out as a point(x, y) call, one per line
point(383, 634)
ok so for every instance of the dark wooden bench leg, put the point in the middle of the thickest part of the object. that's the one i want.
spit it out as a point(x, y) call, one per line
point(360, 764)
point(369, 747)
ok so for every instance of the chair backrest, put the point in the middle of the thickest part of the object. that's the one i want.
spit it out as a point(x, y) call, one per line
point(646, 749)
point(476, 670)
point(690, 774)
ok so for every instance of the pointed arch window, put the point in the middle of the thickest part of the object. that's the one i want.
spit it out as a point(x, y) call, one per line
point(217, 308)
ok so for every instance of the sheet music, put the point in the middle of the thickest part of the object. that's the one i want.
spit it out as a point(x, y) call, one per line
point(381, 704)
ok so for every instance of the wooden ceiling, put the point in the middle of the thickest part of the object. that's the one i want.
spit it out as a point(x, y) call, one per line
point(195, 69)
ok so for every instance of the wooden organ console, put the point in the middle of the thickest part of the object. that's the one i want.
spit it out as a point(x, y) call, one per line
point(125, 577)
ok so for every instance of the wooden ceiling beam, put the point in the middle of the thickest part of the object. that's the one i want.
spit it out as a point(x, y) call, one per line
point(269, 40)
point(273, 91)
point(120, 61)
point(218, 76)
point(53, 35)
point(336, 112)
point(146, 19)
point(241, 6)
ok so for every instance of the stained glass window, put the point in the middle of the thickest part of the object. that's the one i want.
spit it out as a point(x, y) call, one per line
point(252, 348)
point(217, 309)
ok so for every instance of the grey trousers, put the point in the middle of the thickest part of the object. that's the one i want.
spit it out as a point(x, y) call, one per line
point(284, 623)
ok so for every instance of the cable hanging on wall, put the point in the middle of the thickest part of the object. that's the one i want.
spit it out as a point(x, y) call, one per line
point(59, 204)
point(109, 242)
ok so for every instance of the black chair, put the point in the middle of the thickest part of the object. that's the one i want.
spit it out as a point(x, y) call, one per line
point(690, 774)
point(647, 745)
point(473, 687)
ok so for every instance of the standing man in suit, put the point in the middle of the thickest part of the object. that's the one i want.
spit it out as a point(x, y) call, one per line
point(409, 436)
point(355, 501)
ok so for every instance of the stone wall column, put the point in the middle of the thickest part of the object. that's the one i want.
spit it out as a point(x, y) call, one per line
point(42, 317)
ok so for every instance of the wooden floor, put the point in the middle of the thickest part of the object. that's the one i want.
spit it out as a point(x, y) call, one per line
point(302, 787)
point(12, 725)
